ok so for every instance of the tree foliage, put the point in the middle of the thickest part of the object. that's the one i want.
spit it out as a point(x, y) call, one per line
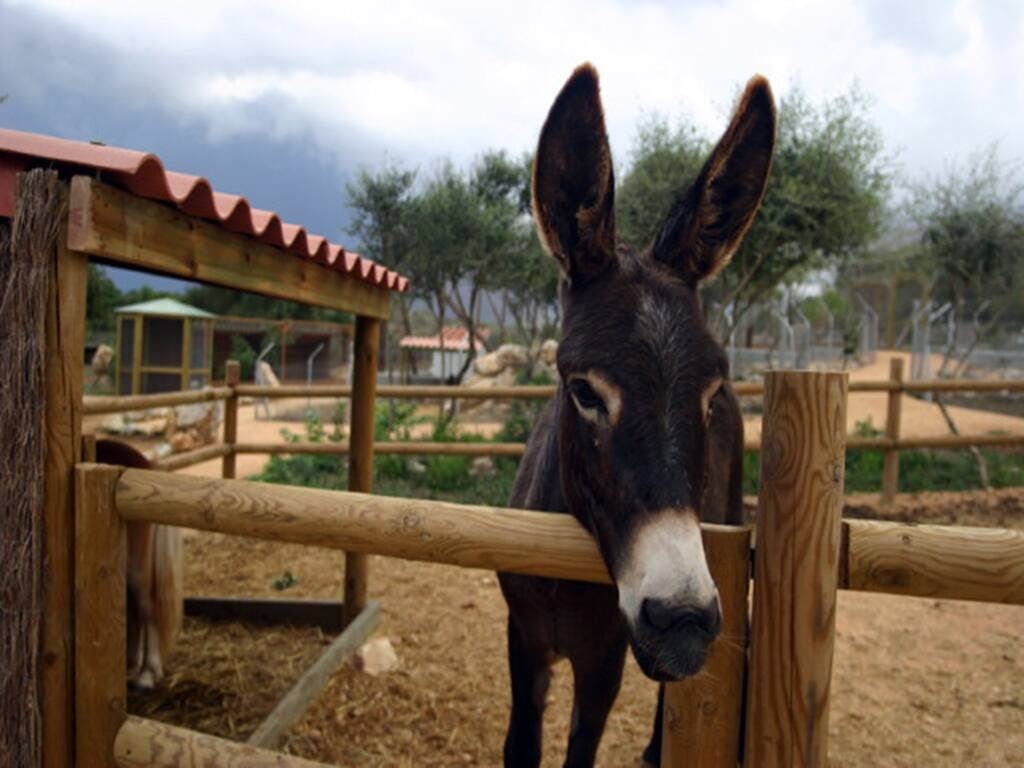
point(825, 199)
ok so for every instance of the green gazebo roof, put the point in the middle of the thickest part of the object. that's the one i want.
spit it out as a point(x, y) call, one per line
point(165, 307)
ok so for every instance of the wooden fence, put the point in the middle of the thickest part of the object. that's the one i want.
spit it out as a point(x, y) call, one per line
point(785, 683)
point(890, 442)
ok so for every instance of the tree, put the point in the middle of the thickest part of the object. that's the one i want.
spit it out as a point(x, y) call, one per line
point(102, 298)
point(824, 203)
point(972, 242)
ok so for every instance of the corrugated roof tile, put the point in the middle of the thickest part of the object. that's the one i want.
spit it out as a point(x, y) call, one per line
point(143, 174)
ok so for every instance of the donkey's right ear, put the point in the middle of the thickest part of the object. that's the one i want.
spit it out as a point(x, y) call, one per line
point(573, 185)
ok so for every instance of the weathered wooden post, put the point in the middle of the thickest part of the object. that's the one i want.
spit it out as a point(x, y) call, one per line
point(360, 459)
point(891, 467)
point(101, 560)
point(796, 569)
point(702, 716)
point(232, 375)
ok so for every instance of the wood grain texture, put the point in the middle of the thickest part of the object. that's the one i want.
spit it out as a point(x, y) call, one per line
point(403, 391)
point(796, 569)
point(947, 562)
point(101, 561)
point(893, 416)
point(702, 715)
point(99, 404)
point(232, 375)
point(293, 705)
point(365, 349)
point(65, 339)
point(414, 529)
point(117, 226)
point(143, 743)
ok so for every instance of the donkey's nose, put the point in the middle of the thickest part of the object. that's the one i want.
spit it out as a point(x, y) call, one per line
point(664, 615)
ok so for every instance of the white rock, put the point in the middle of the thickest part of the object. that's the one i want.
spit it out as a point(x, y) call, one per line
point(488, 365)
point(376, 657)
point(549, 351)
point(482, 466)
point(511, 355)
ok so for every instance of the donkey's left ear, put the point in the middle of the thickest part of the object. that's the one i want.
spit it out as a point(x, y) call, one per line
point(707, 224)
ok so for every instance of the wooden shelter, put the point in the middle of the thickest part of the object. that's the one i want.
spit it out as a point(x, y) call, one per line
point(163, 345)
point(63, 203)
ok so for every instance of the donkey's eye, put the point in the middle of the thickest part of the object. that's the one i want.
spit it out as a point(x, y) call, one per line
point(585, 396)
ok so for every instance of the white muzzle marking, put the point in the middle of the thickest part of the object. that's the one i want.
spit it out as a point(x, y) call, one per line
point(665, 561)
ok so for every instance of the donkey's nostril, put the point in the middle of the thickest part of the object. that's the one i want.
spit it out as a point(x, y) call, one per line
point(663, 615)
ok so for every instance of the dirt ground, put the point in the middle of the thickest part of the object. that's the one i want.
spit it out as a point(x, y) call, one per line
point(916, 682)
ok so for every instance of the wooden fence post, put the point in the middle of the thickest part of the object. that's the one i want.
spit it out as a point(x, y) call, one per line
point(89, 447)
point(891, 467)
point(101, 555)
point(701, 715)
point(232, 375)
point(796, 569)
point(360, 459)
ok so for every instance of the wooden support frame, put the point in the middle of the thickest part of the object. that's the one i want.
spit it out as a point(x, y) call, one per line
point(232, 375)
point(101, 562)
point(115, 225)
point(360, 461)
point(796, 573)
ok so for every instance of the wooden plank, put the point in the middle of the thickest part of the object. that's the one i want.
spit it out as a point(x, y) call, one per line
point(143, 743)
point(948, 562)
point(97, 404)
point(360, 460)
point(796, 570)
point(893, 416)
point(115, 225)
point(410, 448)
point(293, 705)
point(65, 340)
point(232, 375)
point(537, 543)
point(196, 456)
point(702, 715)
point(402, 391)
point(326, 614)
point(101, 562)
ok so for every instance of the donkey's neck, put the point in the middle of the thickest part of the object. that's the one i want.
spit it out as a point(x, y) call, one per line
point(538, 483)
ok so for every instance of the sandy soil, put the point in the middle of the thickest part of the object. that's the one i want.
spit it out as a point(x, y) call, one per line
point(916, 682)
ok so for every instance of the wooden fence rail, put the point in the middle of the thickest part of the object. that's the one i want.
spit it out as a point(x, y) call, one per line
point(891, 442)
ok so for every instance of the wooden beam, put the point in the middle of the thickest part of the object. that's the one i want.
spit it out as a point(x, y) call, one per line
point(232, 375)
point(948, 562)
point(325, 614)
point(360, 460)
point(293, 705)
point(796, 570)
point(196, 456)
point(143, 743)
point(893, 417)
point(117, 226)
point(410, 448)
point(402, 391)
point(702, 715)
point(97, 404)
point(64, 342)
point(101, 562)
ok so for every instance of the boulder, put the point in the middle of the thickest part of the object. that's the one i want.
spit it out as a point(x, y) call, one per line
point(482, 466)
point(488, 365)
point(549, 352)
point(183, 441)
point(376, 657)
point(511, 355)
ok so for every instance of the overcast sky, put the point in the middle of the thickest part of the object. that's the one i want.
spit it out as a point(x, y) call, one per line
point(282, 101)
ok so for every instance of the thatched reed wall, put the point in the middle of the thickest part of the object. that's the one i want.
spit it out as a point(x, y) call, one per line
point(27, 250)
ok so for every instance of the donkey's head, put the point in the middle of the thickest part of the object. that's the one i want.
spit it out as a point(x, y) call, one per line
point(641, 373)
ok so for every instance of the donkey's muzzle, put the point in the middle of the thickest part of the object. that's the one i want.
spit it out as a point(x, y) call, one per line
point(671, 639)
point(668, 616)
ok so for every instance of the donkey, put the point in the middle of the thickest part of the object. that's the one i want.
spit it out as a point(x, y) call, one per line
point(155, 585)
point(643, 438)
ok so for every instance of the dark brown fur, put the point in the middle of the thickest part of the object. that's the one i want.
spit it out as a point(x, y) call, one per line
point(635, 318)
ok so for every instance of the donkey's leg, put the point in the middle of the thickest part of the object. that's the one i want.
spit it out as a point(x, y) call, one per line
point(652, 755)
point(530, 673)
point(597, 676)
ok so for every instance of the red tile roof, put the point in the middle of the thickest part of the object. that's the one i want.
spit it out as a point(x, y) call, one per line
point(143, 174)
point(456, 339)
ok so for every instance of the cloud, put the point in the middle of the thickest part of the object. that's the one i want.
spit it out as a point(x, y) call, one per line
point(423, 80)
